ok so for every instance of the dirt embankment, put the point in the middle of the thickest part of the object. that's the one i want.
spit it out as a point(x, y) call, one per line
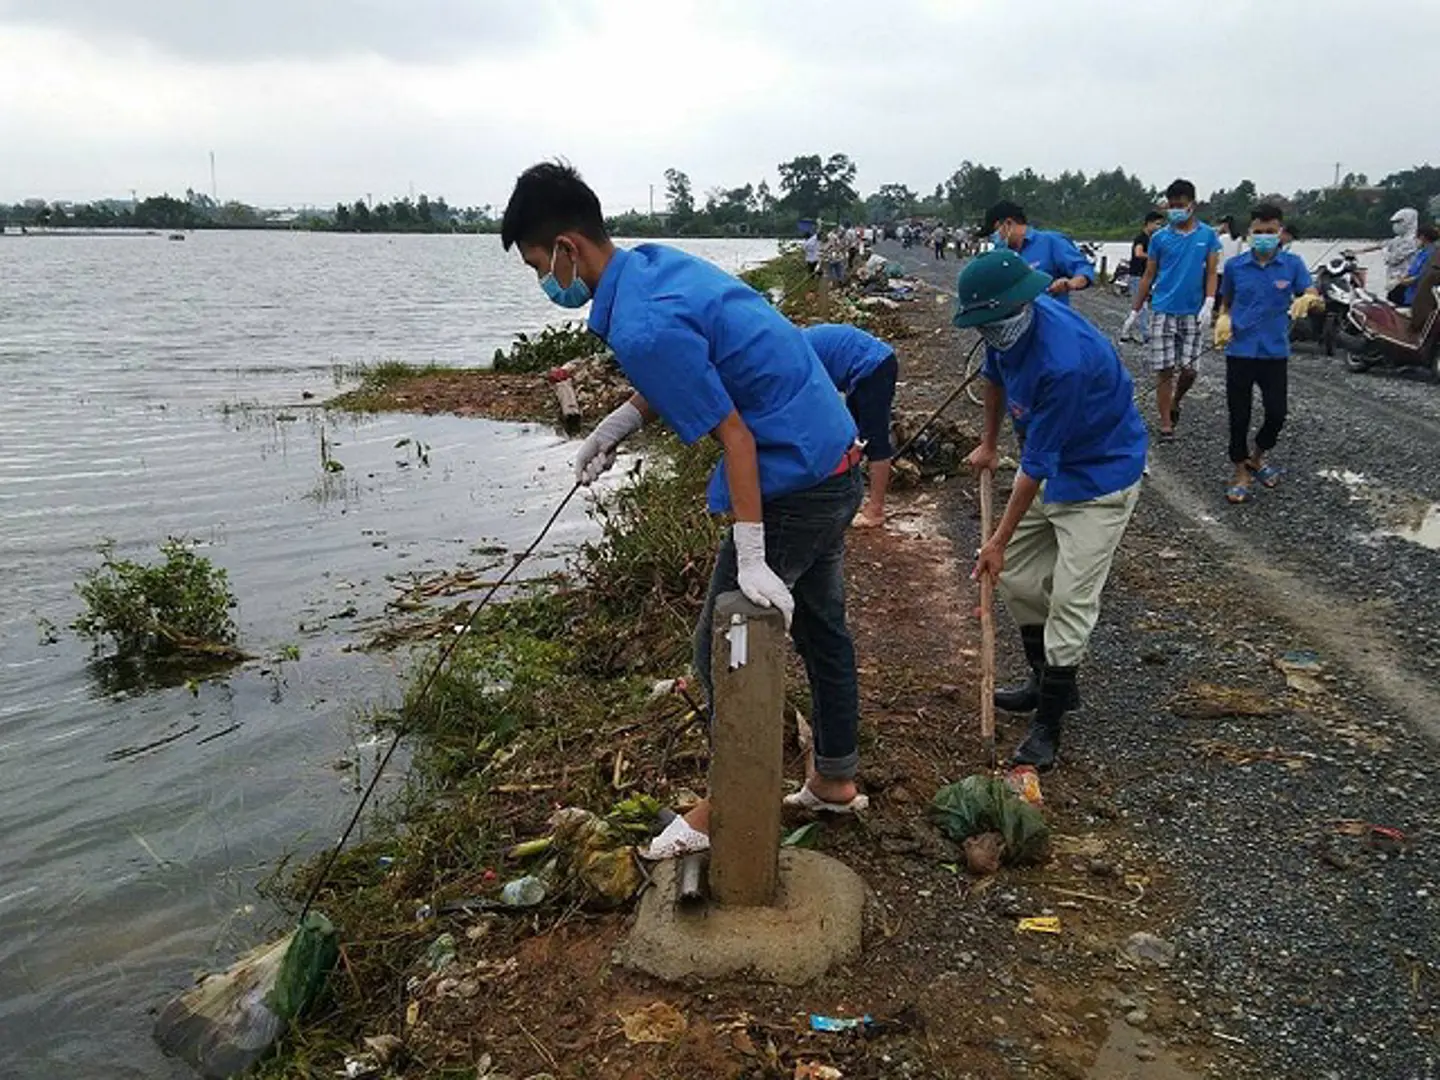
point(962, 991)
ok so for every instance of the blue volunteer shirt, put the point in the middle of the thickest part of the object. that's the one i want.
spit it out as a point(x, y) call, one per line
point(1073, 405)
point(1179, 286)
point(848, 353)
point(1259, 296)
point(1053, 253)
point(697, 343)
point(1415, 270)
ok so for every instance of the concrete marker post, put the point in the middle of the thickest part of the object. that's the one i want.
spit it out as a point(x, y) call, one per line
point(747, 751)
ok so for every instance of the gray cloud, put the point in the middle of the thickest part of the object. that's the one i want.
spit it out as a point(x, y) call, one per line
point(723, 89)
point(407, 30)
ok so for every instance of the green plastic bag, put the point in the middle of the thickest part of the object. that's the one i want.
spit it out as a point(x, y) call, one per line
point(980, 804)
point(232, 1019)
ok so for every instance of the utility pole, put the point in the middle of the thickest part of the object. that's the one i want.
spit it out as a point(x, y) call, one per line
point(652, 200)
point(1337, 173)
point(214, 191)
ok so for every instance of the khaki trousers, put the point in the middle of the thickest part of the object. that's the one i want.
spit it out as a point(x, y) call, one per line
point(1056, 565)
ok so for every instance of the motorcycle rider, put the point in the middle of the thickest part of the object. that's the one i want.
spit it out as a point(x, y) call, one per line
point(1408, 285)
point(1401, 247)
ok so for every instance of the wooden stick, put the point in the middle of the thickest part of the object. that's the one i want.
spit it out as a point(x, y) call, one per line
point(987, 624)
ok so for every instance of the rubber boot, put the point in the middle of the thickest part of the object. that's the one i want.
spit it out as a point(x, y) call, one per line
point(1023, 697)
point(1042, 744)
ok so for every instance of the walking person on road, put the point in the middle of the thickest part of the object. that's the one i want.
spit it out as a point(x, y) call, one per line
point(1138, 254)
point(1051, 253)
point(711, 357)
point(1083, 446)
point(1259, 288)
point(811, 248)
point(937, 241)
point(1231, 244)
point(864, 369)
point(1179, 281)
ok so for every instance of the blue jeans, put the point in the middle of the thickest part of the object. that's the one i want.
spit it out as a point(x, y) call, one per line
point(1142, 324)
point(805, 546)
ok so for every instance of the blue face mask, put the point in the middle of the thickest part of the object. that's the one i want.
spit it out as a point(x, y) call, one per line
point(1178, 215)
point(574, 295)
point(1264, 243)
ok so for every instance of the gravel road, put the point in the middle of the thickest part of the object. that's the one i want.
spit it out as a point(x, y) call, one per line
point(1310, 937)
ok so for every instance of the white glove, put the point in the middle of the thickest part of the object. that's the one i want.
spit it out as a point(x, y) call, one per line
point(597, 452)
point(1207, 313)
point(761, 585)
point(1129, 323)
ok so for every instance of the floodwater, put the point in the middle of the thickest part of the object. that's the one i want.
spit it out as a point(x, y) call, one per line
point(154, 389)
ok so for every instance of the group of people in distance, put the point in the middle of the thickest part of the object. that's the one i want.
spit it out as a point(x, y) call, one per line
point(797, 411)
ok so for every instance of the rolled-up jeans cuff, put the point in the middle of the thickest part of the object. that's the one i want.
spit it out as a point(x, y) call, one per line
point(838, 768)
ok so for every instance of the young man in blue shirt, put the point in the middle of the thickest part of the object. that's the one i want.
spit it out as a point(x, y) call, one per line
point(710, 357)
point(1050, 253)
point(1082, 455)
point(1179, 282)
point(1259, 287)
point(864, 369)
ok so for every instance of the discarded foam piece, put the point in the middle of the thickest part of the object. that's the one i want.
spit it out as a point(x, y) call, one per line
point(815, 923)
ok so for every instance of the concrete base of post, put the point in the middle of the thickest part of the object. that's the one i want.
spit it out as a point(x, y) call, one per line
point(815, 923)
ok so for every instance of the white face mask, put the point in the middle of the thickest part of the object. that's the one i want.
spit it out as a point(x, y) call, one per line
point(1002, 334)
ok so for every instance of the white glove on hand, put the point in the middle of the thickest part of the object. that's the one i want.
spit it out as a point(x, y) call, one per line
point(1129, 323)
point(1207, 313)
point(761, 585)
point(597, 452)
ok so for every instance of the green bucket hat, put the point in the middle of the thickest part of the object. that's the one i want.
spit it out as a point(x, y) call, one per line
point(993, 286)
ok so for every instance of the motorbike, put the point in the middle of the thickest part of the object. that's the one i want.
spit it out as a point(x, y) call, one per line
point(1379, 334)
point(1340, 281)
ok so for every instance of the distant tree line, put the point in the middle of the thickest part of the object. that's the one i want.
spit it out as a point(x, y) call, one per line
point(812, 187)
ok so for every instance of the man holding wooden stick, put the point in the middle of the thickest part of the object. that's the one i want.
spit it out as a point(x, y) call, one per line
point(1083, 446)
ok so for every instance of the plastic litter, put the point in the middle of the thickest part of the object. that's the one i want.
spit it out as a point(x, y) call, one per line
point(814, 1070)
point(1024, 781)
point(839, 1023)
point(1039, 924)
point(524, 891)
point(980, 804)
point(1302, 669)
point(231, 1019)
point(441, 953)
point(658, 1022)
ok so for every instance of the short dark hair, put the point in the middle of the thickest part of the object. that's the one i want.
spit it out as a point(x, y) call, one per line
point(1180, 189)
point(551, 198)
point(1154, 215)
point(1430, 232)
point(1267, 212)
point(1000, 212)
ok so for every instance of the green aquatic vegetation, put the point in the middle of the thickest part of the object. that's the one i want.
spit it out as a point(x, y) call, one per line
point(176, 607)
point(552, 347)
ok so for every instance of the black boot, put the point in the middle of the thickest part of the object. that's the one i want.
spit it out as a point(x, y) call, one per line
point(1042, 744)
point(1025, 696)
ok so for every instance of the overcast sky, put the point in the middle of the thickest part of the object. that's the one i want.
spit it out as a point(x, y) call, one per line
point(314, 101)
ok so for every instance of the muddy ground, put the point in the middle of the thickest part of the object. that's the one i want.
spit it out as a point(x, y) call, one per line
point(1202, 800)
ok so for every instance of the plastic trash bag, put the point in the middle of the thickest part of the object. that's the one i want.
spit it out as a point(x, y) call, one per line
point(980, 804)
point(232, 1019)
point(597, 857)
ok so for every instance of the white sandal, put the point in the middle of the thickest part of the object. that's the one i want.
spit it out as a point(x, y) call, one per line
point(805, 799)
